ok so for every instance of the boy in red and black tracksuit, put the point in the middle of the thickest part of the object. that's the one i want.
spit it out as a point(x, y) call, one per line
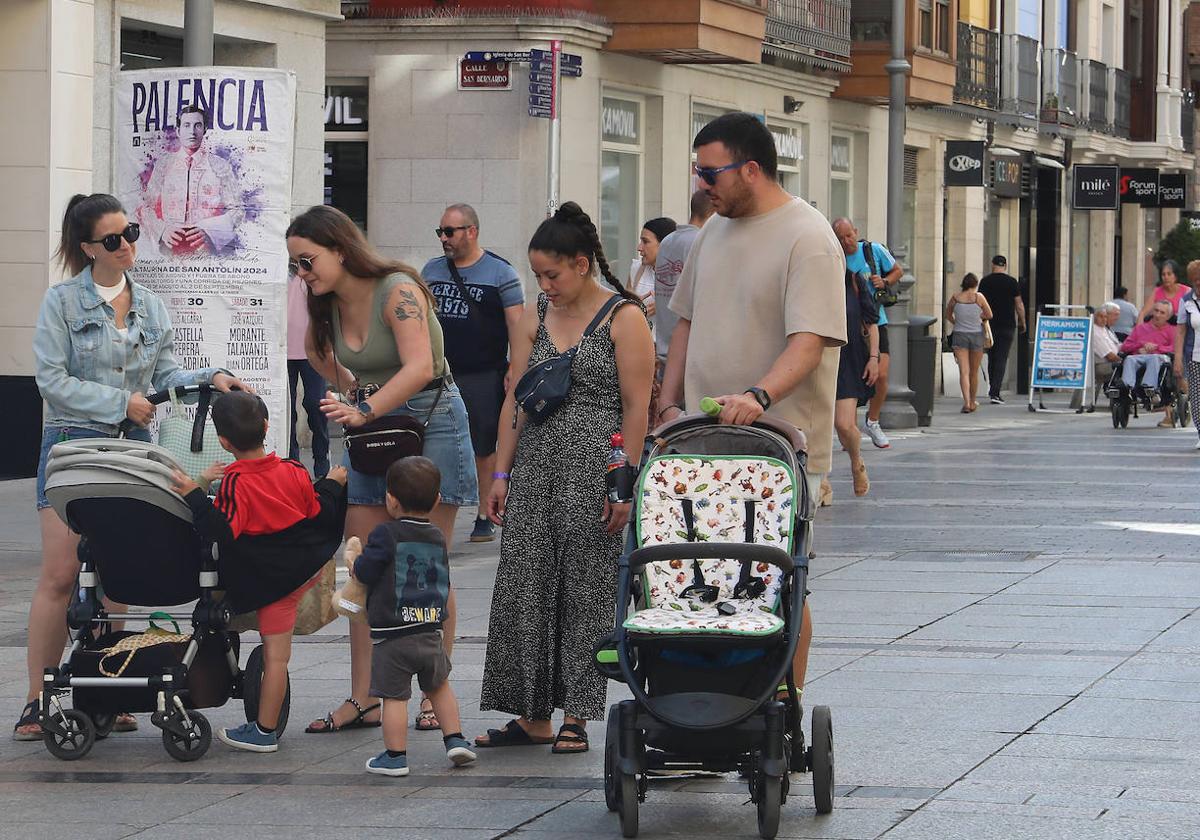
point(274, 531)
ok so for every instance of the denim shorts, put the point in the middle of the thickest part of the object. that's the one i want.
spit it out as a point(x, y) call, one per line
point(57, 434)
point(447, 444)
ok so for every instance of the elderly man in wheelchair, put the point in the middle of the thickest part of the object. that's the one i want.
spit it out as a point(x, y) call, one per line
point(1145, 373)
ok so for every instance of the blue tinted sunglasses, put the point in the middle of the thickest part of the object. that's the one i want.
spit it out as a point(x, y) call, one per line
point(708, 174)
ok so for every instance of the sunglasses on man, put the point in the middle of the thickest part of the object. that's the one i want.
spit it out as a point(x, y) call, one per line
point(708, 174)
point(449, 230)
point(112, 241)
point(295, 266)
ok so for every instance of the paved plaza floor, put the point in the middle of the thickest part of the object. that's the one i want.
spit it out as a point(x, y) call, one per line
point(1007, 632)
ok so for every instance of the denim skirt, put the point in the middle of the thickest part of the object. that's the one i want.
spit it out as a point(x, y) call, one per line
point(58, 434)
point(447, 444)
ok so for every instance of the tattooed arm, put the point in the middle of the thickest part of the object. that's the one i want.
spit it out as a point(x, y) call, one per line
point(407, 312)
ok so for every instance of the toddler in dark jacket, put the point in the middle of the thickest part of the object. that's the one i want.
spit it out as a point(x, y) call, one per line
point(405, 569)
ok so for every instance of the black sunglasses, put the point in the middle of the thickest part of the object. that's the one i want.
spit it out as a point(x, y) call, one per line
point(708, 174)
point(295, 265)
point(450, 230)
point(112, 241)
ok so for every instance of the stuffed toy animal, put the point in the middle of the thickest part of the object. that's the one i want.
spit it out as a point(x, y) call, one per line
point(351, 599)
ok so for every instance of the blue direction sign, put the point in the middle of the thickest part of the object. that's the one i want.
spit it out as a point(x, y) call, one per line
point(541, 78)
point(569, 64)
point(539, 112)
point(518, 56)
point(539, 101)
point(540, 89)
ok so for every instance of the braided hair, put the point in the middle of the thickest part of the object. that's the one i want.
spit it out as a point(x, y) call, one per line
point(571, 233)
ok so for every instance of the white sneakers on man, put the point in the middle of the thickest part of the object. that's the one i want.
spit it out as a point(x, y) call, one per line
point(875, 432)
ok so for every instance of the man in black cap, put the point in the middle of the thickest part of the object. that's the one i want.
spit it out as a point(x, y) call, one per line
point(1008, 315)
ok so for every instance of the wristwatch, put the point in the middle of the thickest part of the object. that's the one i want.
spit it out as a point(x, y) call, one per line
point(364, 408)
point(761, 396)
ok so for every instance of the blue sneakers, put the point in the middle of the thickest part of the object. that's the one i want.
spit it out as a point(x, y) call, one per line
point(249, 737)
point(385, 765)
point(459, 751)
point(484, 531)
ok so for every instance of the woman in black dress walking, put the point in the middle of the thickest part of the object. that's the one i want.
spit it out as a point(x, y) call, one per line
point(857, 372)
point(556, 583)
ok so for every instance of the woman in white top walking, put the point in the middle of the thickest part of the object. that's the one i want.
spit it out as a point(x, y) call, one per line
point(967, 310)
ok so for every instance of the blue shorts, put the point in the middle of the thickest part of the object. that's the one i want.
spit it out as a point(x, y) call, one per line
point(447, 444)
point(57, 434)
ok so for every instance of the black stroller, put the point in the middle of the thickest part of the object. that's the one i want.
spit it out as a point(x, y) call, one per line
point(716, 564)
point(138, 547)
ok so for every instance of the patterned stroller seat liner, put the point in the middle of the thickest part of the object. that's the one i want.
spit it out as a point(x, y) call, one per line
point(695, 498)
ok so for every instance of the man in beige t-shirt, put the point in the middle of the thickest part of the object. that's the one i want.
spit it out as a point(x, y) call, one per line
point(761, 302)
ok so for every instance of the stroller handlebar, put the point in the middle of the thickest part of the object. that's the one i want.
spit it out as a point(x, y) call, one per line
point(180, 391)
point(742, 552)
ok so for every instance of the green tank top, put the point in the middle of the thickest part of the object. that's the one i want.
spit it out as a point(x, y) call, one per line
point(378, 360)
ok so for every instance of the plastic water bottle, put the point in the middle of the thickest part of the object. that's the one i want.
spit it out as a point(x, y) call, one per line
point(618, 480)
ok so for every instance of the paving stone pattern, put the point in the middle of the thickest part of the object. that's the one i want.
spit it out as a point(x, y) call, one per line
point(1007, 631)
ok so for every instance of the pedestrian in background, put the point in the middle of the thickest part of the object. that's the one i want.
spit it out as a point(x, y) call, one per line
point(373, 335)
point(966, 311)
point(302, 372)
point(1003, 294)
point(858, 371)
point(557, 579)
point(672, 254)
point(872, 261)
point(642, 283)
point(480, 302)
point(1128, 316)
point(761, 305)
point(1187, 354)
point(100, 344)
point(1170, 288)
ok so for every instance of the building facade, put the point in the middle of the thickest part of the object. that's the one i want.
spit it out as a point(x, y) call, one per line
point(59, 57)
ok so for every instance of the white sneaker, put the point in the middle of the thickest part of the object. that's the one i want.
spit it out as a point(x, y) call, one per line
point(875, 432)
point(1198, 444)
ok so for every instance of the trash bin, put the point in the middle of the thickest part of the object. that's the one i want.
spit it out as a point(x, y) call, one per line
point(922, 364)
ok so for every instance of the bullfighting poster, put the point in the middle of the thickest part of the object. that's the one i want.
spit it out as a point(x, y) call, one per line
point(204, 165)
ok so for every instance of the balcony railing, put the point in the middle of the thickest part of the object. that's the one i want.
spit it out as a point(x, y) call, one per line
point(1096, 114)
point(1019, 76)
point(812, 32)
point(356, 8)
point(977, 80)
point(1120, 98)
point(1060, 87)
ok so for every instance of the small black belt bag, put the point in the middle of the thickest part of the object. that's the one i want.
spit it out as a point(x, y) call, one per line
point(544, 387)
point(377, 445)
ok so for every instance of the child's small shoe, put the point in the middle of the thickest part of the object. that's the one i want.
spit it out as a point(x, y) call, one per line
point(459, 751)
point(386, 765)
point(249, 737)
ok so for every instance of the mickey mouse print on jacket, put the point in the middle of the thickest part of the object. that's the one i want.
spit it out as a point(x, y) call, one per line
point(405, 569)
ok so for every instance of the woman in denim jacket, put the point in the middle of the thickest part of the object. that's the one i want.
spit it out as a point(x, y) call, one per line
point(101, 342)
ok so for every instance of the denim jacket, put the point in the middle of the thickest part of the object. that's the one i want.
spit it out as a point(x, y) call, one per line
point(86, 370)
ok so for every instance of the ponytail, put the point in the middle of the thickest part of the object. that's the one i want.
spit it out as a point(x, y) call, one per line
point(571, 233)
point(83, 211)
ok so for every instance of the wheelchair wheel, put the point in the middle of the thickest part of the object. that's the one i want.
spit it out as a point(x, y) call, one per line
point(1114, 407)
point(1183, 410)
point(821, 759)
point(251, 689)
point(612, 781)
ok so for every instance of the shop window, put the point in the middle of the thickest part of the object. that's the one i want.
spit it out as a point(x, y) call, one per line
point(621, 157)
point(841, 149)
point(790, 147)
point(147, 49)
point(346, 158)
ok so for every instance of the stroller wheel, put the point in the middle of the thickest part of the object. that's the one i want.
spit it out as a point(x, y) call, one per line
point(628, 805)
point(612, 783)
point(190, 744)
point(69, 736)
point(104, 723)
point(770, 798)
point(821, 759)
point(251, 689)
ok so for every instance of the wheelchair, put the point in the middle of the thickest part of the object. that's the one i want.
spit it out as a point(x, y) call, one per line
point(1124, 402)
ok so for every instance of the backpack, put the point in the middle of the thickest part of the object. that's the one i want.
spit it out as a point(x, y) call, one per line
point(886, 296)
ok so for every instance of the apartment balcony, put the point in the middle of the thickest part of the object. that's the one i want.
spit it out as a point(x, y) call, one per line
point(1060, 87)
point(1120, 82)
point(1019, 96)
point(1096, 113)
point(977, 82)
point(808, 33)
point(356, 8)
point(689, 31)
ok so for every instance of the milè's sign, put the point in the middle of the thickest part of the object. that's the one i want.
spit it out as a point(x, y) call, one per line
point(233, 104)
point(1096, 187)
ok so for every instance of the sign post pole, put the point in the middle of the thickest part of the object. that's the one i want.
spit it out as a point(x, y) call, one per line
point(555, 129)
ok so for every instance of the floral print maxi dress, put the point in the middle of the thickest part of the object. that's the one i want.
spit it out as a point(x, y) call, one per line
point(555, 589)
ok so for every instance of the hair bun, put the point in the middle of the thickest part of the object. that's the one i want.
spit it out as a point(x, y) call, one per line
point(568, 211)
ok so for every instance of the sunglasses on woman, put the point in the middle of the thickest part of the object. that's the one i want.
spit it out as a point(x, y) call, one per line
point(305, 263)
point(708, 174)
point(112, 241)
